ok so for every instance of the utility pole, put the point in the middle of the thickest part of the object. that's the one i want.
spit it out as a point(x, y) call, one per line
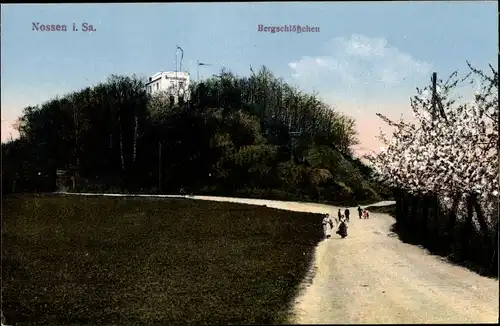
point(198, 64)
point(251, 85)
point(435, 98)
point(433, 95)
point(219, 86)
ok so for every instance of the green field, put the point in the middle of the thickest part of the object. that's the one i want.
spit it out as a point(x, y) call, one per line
point(104, 260)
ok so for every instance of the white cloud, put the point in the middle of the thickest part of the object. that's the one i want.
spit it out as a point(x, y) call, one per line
point(361, 76)
point(361, 60)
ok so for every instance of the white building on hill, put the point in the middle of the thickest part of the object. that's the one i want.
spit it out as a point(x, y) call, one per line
point(173, 83)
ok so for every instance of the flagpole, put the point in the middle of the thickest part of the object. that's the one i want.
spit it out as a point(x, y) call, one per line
point(182, 57)
point(176, 77)
point(180, 66)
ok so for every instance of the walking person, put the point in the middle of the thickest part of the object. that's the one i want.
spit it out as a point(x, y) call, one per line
point(342, 230)
point(327, 222)
point(360, 212)
point(366, 215)
point(347, 214)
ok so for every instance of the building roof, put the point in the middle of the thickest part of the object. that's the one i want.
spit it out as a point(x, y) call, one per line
point(169, 74)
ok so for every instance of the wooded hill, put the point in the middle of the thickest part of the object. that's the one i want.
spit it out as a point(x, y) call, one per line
point(251, 136)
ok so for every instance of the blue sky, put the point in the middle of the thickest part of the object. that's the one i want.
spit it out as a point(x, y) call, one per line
point(366, 58)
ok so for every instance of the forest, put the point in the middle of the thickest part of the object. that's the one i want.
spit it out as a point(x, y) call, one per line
point(252, 136)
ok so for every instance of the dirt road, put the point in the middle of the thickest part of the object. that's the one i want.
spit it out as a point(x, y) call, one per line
point(372, 277)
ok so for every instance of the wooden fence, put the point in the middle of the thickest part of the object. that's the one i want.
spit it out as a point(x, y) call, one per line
point(421, 220)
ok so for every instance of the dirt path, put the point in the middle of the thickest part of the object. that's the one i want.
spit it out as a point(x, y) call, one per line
point(372, 277)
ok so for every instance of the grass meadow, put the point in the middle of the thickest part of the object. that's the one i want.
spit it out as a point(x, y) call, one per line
point(123, 260)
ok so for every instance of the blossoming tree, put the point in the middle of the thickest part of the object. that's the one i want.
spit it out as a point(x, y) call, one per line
point(450, 150)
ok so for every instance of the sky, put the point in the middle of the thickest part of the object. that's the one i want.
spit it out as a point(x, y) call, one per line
point(366, 58)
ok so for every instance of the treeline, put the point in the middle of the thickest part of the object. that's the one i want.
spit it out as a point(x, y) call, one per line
point(254, 136)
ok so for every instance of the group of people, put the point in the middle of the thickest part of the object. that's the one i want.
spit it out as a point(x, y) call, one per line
point(343, 219)
point(328, 225)
point(363, 213)
point(345, 216)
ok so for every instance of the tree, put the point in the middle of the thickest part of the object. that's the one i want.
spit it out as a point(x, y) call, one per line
point(452, 155)
point(233, 134)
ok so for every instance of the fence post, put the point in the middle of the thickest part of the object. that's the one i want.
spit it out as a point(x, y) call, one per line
point(436, 212)
point(404, 212)
point(424, 213)
point(494, 258)
point(397, 197)
point(414, 227)
point(467, 230)
point(449, 240)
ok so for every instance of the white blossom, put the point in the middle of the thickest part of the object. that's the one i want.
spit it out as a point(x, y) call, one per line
point(446, 156)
